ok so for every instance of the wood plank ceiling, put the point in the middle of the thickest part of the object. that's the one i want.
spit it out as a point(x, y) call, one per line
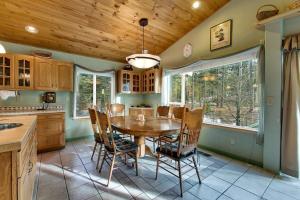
point(106, 29)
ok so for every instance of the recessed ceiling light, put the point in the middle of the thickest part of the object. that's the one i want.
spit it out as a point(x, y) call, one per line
point(196, 4)
point(31, 29)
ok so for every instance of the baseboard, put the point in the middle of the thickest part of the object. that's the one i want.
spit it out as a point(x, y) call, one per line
point(78, 138)
point(250, 161)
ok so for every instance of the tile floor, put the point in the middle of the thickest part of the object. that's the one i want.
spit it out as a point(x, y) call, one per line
point(71, 174)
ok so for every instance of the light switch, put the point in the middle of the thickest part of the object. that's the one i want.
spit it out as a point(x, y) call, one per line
point(269, 100)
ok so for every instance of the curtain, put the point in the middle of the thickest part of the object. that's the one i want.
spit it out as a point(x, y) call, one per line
point(290, 159)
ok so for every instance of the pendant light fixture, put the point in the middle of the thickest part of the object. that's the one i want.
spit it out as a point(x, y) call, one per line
point(143, 60)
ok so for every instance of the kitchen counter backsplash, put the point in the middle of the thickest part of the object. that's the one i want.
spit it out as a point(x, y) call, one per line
point(54, 107)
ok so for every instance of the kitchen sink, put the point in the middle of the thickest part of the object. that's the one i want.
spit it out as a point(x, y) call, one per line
point(4, 126)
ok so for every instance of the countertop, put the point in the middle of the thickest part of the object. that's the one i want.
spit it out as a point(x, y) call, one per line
point(28, 112)
point(14, 139)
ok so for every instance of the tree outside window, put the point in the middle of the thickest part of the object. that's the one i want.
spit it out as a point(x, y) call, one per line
point(229, 93)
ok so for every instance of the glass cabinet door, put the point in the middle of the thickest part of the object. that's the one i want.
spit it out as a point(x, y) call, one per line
point(125, 82)
point(151, 78)
point(145, 82)
point(24, 71)
point(6, 71)
point(136, 83)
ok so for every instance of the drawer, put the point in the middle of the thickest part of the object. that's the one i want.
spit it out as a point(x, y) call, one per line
point(25, 152)
point(26, 181)
point(49, 142)
point(45, 117)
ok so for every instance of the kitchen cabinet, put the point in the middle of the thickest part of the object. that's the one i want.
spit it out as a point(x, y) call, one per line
point(23, 65)
point(124, 81)
point(64, 75)
point(51, 75)
point(50, 131)
point(148, 81)
point(152, 81)
point(136, 82)
point(24, 72)
point(18, 167)
point(44, 76)
point(6, 71)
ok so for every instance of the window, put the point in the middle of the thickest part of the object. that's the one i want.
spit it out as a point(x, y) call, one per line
point(92, 89)
point(230, 92)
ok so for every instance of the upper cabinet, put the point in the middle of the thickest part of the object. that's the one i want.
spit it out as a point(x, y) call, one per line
point(148, 81)
point(53, 75)
point(6, 71)
point(124, 81)
point(23, 71)
point(64, 75)
point(44, 77)
point(136, 82)
point(153, 81)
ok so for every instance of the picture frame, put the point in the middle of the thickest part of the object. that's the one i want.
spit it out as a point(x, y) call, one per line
point(221, 35)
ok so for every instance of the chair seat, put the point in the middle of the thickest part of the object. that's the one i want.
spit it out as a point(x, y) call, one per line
point(171, 151)
point(98, 139)
point(123, 145)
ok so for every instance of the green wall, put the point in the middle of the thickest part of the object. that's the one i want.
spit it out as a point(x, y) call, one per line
point(245, 35)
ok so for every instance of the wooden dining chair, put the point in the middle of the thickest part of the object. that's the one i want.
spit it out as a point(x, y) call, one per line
point(161, 112)
point(114, 148)
point(98, 141)
point(116, 109)
point(183, 147)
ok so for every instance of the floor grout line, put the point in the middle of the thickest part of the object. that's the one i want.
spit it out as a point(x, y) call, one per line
point(64, 175)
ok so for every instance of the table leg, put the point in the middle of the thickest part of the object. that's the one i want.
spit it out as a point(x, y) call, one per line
point(143, 148)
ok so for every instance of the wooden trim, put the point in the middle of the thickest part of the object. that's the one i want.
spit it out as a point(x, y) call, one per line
point(231, 128)
point(282, 16)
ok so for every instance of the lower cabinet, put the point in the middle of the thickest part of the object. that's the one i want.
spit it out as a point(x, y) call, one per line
point(50, 131)
point(18, 170)
point(135, 111)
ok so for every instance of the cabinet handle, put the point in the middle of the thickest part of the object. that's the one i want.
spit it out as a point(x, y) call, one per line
point(30, 164)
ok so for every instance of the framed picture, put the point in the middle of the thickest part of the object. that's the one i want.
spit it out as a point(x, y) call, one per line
point(221, 35)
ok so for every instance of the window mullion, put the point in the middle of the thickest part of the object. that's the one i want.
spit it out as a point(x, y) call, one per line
point(94, 90)
point(183, 90)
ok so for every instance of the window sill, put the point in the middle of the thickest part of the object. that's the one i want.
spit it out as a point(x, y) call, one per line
point(79, 118)
point(232, 128)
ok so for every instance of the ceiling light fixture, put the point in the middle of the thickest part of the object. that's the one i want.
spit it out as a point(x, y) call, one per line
point(2, 49)
point(143, 60)
point(196, 4)
point(31, 29)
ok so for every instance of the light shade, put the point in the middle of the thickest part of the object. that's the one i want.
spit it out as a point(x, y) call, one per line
point(143, 60)
point(2, 49)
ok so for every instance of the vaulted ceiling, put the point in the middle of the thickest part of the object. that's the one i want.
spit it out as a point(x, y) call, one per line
point(106, 29)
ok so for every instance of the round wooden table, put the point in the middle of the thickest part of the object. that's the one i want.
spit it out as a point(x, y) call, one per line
point(151, 127)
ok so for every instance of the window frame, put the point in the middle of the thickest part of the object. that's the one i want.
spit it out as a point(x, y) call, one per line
point(77, 73)
point(250, 55)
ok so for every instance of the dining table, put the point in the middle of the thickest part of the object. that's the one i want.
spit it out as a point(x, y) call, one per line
point(140, 129)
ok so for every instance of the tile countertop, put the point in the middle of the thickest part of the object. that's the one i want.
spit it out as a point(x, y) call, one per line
point(14, 138)
point(28, 112)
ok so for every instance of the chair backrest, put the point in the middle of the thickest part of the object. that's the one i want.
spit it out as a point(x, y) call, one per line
point(162, 111)
point(116, 109)
point(92, 112)
point(190, 131)
point(178, 112)
point(105, 130)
